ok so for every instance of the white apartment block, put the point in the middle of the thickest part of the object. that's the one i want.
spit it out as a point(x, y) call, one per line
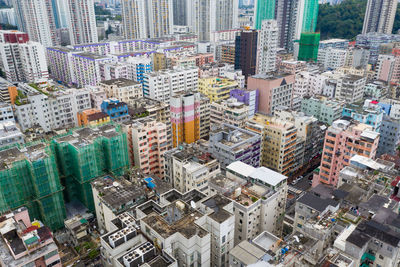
point(229, 111)
point(10, 134)
point(87, 68)
point(188, 168)
point(50, 108)
point(82, 22)
point(164, 84)
point(6, 112)
point(36, 18)
point(332, 58)
point(123, 89)
point(147, 18)
point(258, 206)
point(97, 96)
point(208, 16)
point(351, 88)
point(23, 62)
point(267, 47)
point(114, 70)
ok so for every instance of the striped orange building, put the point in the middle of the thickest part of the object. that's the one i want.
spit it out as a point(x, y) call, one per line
point(185, 118)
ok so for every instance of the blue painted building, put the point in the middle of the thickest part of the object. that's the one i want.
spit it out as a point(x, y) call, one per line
point(117, 110)
point(370, 113)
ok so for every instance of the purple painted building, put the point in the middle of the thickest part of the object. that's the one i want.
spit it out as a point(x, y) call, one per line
point(249, 97)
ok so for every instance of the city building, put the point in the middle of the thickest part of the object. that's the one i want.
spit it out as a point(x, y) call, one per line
point(78, 229)
point(248, 97)
point(259, 202)
point(376, 89)
point(36, 18)
point(86, 68)
point(131, 244)
point(229, 143)
point(22, 60)
point(274, 90)
point(343, 140)
point(122, 89)
point(84, 154)
point(6, 112)
point(351, 88)
point(116, 109)
point(384, 68)
point(163, 85)
point(332, 58)
point(229, 111)
point(147, 143)
point(25, 242)
point(333, 43)
point(10, 134)
point(263, 10)
point(8, 91)
point(20, 170)
point(309, 134)
point(92, 117)
point(187, 167)
point(185, 118)
point(293, 19)
point(246, 52)
point(177, 227)
point(279, 142)
point(324, 109)
point(228, 53)
point(207, 18)
point(216, 88)
point(143, 19)
point(308, 46)
point(379, 16)
point(82, 22)
point(113, 197)
point(389, 139)
point(370, 113)
point(267, 47)
point(97, 96)
point(373, 41)
point(49, 106)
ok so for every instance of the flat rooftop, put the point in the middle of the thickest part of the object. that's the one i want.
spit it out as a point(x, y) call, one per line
point(217, 203)
point(178, 217)
point(15, 154)
point(117, 192)
point(85, 136)
point(120, 82)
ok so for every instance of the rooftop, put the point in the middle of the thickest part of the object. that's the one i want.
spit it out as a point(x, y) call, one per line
point(316, 203)
point(82, 137)
point(29, 152)
point(117, 192)
point(177, 217)
point(217, 204)
point(120, 82)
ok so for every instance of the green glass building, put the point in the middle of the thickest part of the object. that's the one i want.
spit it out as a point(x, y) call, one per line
point(264, 9)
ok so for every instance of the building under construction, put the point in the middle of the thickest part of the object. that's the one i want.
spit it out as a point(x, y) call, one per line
point(87, 153)
point(29, 177)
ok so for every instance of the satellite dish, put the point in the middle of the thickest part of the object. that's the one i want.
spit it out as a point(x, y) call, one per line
point(193, 204)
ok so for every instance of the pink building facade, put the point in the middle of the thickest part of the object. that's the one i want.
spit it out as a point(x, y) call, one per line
point(26, 243)
point(147, 141)
point(274, 90)
point(343, 140)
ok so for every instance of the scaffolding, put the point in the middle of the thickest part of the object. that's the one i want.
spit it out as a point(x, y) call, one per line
point(309, 43)
point(87, 153)
point(29, 177)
